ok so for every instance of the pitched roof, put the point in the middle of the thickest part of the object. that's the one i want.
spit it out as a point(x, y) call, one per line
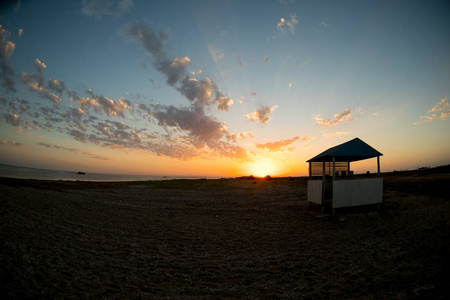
point(352, 150)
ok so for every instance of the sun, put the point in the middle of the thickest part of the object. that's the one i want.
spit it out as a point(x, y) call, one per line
point(262, 168)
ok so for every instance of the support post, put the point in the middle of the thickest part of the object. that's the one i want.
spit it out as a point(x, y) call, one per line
point(334, 168)
point(310, 171)
point(323, 170)
point(348, 170)
point(378, 165)
point(323, 186)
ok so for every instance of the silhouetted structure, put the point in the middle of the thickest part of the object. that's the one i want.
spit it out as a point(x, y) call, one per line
point(330, 183)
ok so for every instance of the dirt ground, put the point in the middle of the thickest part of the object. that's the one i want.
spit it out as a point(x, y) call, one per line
point(213, 239)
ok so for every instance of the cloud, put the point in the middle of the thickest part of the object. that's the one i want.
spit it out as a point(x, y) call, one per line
point(261, 115)
point(97, 8)
point(306, 138)
point(18, 106)
point(204, 135)
point(12, 119)
point(284, 24)
point(199, 126)
point(12, 143)
point(202, 130)
point(174, 70)
point(216, 54)
point(345, 116)
point(6, 68)
point(74, 150)
point(440, 106)
point(291, 23)
point(20, 32)
point(443, 107)
point(239, 61)
point(35, 83)
point(304, 64)
point(108, 106)
point(40, 66)
point(278, 145)
point(198, 92)
point(78, 135)
point(224, 103)
point(56, 85)
point(329, 134)
point(286, 2)
point(152, 39)
point(77, 113)
point(240, 136)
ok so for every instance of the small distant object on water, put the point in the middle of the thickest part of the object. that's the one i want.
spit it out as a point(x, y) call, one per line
point(81, 173)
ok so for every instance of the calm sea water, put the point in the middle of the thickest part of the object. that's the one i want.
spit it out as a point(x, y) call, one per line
point(32, 173)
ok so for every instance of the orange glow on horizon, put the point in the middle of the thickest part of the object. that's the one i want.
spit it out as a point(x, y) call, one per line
point(263, 167)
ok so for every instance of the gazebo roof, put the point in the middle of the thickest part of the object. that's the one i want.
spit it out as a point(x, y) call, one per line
point(353, 150)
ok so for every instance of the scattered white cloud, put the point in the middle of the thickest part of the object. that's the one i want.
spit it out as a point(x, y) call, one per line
point(286, 2)
point(291, 23)
point(261, 115)
point(98, 8)
point(345, 116)
point(278, 146)
point(200, 127)
point(330, 134)
point(199, 92)
point(12, 143)
point(440, 110)
point(74, 150)
point(12, 119)
point(216, 54)
point(241, 136)
point(6, 68)
point(36, 83)
point(284, 24)
point(109, 106)
point(152, 39)
point(175, 70)
point(77, 113)
point(20, 32)
point(307, 138)
point(224, 103)
point(304, 64)
point(442, 105)
point(239, 61)
point(40, 66)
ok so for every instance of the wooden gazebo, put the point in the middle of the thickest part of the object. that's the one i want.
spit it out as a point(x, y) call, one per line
point(330, 183)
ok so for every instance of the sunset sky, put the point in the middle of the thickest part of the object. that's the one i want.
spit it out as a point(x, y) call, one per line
point(222, 88)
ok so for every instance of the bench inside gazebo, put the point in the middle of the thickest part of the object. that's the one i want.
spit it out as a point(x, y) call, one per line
point(331, 184)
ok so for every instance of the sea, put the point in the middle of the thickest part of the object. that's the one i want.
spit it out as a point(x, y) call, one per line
point(44, 174)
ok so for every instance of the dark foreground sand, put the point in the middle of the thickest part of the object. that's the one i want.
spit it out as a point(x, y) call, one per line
point(221, 239)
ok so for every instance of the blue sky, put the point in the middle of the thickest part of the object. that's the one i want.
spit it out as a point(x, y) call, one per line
point(222, 88)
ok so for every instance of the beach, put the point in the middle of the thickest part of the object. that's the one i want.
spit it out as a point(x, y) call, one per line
point(224, 238)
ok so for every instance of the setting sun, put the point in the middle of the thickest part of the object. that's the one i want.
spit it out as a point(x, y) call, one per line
point(263, 168)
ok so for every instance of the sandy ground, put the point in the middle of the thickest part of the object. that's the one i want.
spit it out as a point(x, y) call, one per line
point(221, 239)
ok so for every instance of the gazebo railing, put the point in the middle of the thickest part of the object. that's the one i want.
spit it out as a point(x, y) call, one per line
point(318, 168)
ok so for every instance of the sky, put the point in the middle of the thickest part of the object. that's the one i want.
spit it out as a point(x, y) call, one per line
point(222, 88)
